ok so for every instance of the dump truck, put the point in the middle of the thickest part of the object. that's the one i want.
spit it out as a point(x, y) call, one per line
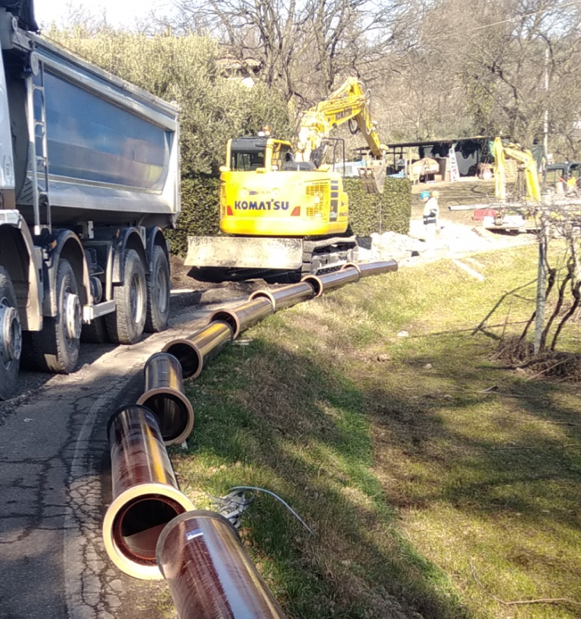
point(89, 180)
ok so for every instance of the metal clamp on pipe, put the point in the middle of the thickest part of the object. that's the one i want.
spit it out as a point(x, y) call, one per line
point(286, 296)
point(244, 316)
point(331, 281)
point(208, 572)
point(164, 395)
point(145, 492)
point(195, 351)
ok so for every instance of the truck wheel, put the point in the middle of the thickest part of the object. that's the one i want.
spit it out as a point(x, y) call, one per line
point(56, 347)
point(158, 284)
point(11, 337)
point(126, 324)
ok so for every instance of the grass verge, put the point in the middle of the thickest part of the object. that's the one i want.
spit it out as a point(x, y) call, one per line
point(436, 482)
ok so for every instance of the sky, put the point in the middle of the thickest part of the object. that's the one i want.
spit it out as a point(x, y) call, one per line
point(119, 12)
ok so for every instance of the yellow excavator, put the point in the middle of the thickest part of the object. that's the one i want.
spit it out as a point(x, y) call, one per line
point(526, 165)
point(285, 208)
point(516, 207)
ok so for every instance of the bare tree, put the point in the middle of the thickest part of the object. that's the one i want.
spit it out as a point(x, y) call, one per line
point(514, 63)
point(304, 47)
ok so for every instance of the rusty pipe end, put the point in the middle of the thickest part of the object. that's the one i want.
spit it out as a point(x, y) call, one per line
point(133, 523)
point(188, 355)
point(174, 413)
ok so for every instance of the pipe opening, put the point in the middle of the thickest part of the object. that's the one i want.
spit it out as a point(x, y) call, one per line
point(228, 317)
point(172, 414)
point(187, 355)
point(139, 524)
point(315, 282)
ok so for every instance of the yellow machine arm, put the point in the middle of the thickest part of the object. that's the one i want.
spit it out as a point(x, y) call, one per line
point(503, 151)
point(348, 102)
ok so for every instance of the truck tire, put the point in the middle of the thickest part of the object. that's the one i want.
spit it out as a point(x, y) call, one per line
point(95, 332)
point(56, 347)
point(158, 285)
point(126, 324)
point(9, 350)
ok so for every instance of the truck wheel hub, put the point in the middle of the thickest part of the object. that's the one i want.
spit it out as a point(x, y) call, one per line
point(72, 316)
point(11, 344)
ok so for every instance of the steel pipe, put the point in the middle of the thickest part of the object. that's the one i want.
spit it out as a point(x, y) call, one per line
point(195, 351)
point(331, 281)
point(145, 492)
point(286, 296)
point(368, 269)
point(208, 572)
point(246, 315)
point(164, 395)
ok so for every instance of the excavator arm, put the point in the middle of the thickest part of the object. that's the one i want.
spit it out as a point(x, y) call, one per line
point(503, 151)
point(348, 103)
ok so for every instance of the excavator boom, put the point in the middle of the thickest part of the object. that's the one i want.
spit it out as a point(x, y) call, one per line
point(504, 150)
point(348, 103)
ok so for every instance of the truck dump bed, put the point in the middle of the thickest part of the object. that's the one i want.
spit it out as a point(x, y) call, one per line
point(111, 149)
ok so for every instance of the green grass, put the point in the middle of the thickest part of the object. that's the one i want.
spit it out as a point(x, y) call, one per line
point(426, 495)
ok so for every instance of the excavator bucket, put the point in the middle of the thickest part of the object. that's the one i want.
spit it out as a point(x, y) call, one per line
point(373, 176)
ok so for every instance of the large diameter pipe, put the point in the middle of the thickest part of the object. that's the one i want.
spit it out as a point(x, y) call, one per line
point(244, 316)
point(145, 492)
point(368, 269)
point(286, 296)
point(164, 395)
point(331, 281)
point(196, 350)
point(208, 572)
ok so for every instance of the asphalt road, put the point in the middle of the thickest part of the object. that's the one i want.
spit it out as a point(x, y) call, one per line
point(55, 486)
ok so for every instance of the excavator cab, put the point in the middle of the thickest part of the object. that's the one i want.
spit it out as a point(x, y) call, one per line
point(258, 154)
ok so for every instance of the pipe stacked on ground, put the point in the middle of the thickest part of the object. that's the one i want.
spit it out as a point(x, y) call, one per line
point(244, 316)
point(195, 351)
point(331, 281)
point(146, 496)
point(286, 296)
point(367, 269)
point(145, 491)
point(208, 572)
point(164, 395)
point(349, 273)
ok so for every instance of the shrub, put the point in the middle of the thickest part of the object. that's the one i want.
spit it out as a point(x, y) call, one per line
point(200, 212)
point(185, 70)
point(388, 211)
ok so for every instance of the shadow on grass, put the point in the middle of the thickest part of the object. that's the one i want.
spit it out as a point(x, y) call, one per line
point(268, 417)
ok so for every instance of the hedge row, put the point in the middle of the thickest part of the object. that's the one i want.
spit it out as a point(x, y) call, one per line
point(368, 213)
point(388, 211)
point(200, 214)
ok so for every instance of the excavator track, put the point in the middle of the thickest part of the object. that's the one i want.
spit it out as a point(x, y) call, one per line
point(320, 255)
point(328, 254)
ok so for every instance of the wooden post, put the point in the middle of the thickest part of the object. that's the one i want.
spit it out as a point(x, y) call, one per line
point(541, 290)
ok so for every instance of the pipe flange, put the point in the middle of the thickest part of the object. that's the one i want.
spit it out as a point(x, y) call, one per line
point(11, 333)
point(351, 265)
point(72, 311)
